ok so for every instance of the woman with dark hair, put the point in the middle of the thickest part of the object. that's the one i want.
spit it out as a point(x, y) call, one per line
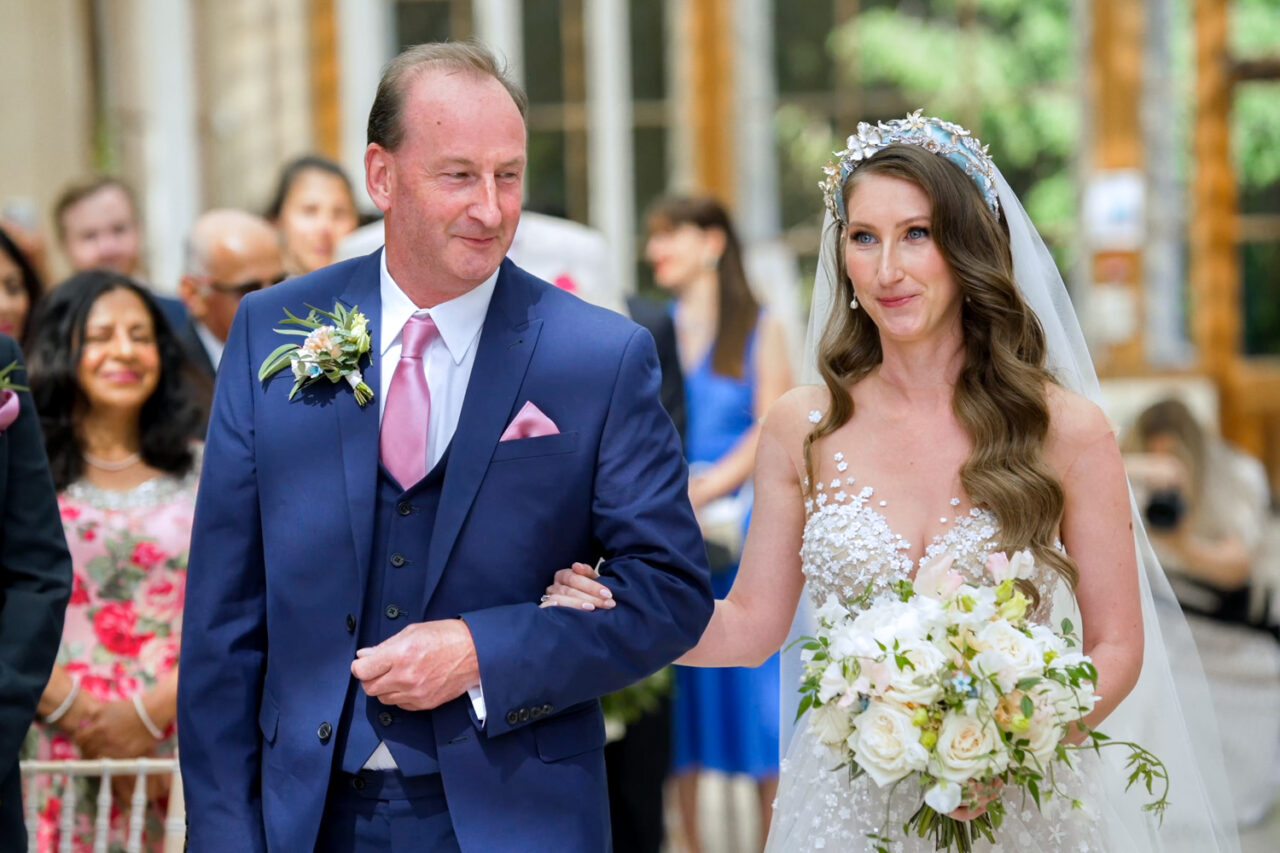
point(734, 360)
point(951, 422)
point(111, 385)
point(20, 290)
point(314, 207)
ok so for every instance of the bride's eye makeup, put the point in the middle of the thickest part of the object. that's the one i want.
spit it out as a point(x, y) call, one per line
point(862, 238)
point(917, 232)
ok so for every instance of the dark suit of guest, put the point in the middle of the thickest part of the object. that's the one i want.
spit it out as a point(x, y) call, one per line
point(35, 583)
point(194, 348)
point(638, 763)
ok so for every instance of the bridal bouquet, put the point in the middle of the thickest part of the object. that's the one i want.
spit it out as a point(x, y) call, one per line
point(947, 685)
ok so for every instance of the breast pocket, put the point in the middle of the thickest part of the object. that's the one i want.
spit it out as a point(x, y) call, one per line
point(543, 445)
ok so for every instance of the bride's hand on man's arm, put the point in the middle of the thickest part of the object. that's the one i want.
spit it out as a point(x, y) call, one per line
point(579, 588)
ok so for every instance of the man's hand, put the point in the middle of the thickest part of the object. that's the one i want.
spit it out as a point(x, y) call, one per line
point(422, 667)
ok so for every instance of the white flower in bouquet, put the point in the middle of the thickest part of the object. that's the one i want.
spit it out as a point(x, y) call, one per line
point(831, 723)
point(1007, 654)
point(832, 611)
point(919, 683)
point(887, 743)
point(833, 684)
point(967, 748)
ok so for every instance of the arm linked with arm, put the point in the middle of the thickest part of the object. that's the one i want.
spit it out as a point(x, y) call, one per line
point(654, 554)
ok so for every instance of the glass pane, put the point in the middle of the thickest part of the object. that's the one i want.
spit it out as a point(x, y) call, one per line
point(545, 180)
point(650, 168)
point(422, 21)
point(802, 62)
point(648, 50)
point(1261, 297)
point(543, 50)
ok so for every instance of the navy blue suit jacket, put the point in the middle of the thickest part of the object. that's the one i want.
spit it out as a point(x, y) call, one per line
point(280, 553)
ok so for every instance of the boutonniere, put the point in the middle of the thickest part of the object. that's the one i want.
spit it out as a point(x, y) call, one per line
point(331, 350)
point(9, 396)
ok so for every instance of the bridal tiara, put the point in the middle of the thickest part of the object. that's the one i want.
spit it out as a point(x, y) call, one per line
point(944, 138)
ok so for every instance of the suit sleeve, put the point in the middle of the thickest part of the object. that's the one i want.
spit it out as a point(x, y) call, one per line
point(532, 657)
point(224, 632)
point(35, 570)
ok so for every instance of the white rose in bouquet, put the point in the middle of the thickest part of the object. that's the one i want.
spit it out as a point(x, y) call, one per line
point(833, 684)
point(967, 748)
point(1006, 653)
point(886, 744)
point(830, 723)
point(921, 685)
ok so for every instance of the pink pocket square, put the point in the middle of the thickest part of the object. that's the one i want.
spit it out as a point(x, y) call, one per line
point(529, 422)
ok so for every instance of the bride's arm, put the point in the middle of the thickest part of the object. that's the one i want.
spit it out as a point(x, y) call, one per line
point(753, 621)
point(1097, 532)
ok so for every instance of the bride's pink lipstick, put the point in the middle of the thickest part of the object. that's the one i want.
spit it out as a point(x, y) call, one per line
point(896, 302)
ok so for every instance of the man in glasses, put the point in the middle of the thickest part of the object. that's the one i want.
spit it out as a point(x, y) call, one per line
point(229, 253)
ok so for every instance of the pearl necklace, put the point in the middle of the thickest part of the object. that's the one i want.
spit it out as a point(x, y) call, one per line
point(107, 465)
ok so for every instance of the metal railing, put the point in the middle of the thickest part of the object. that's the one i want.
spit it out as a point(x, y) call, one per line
point(106, 769)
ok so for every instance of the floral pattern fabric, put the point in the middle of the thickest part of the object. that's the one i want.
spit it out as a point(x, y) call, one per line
point(123, 624)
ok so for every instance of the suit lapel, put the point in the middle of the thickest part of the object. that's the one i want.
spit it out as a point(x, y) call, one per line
point(359, 426)
point(506, 344)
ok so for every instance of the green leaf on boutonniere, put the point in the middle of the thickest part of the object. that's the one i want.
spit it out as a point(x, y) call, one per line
point(5, 382)
point(329, 351)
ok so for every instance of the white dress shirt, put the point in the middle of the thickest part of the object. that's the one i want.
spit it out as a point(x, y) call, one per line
point(212, 346)
point(448, 362)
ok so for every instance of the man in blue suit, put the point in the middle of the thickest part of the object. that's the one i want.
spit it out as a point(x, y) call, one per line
point(365, 665)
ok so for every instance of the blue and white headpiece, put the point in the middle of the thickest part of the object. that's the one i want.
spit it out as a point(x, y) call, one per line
point(941, 137)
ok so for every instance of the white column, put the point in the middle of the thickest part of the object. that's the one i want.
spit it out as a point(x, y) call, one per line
point(771, 265)
point(499, 25)
point(366, 42)
point(1162, 270)
point(755, 95)
point(610, 174)
point(170, 145)
point(680, 177)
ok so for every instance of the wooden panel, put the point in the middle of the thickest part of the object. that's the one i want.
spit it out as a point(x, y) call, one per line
point(326, 112)
point(1116, 42)
point(711, 30)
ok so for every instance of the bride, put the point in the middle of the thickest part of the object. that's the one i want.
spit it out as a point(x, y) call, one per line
point(953, 417)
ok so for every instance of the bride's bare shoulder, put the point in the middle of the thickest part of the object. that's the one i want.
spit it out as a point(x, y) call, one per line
point(1075, 423)
point(793, 415)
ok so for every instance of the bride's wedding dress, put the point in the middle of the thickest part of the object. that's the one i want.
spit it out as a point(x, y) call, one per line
point(849, 546)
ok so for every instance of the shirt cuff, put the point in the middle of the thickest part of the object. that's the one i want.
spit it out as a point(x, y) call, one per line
point(477, 701)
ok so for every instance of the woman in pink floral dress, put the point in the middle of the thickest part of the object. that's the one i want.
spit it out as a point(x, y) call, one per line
point(111, 387)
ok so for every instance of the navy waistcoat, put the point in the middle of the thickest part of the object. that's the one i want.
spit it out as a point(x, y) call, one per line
point(394, 598)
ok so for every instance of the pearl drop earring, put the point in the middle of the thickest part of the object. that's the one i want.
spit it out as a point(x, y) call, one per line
point(853, 303)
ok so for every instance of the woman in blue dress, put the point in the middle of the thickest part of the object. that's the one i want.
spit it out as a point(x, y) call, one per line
point(734, 359)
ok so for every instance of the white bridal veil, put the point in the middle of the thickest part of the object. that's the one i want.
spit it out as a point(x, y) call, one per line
point(1169, 710)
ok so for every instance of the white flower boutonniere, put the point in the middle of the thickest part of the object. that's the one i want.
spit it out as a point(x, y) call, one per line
point(330, 350)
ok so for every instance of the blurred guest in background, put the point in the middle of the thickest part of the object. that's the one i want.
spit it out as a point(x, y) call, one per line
point(99, 228)
point(735, 366)
point(107, 376)
point(314, 208)
point(20, 290)
point(35, 580)
point(229, 253)
point(1206, 507)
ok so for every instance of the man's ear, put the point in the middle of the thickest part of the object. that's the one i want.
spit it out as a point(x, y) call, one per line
point(379, 175)
point(192, 294)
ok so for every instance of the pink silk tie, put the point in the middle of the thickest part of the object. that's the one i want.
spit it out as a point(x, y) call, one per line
point(402, 440)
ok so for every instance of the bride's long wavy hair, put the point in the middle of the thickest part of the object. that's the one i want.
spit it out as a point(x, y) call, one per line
point(1000, 397)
